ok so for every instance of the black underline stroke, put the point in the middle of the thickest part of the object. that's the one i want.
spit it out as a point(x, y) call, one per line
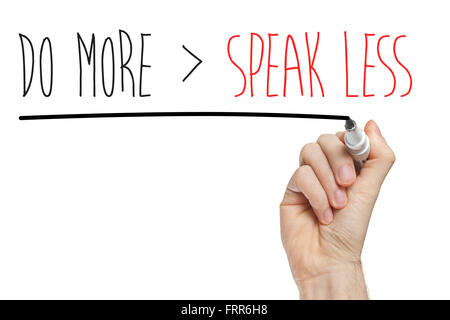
point(182, 114)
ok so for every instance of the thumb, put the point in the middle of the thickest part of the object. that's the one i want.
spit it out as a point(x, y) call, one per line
point(381, 159)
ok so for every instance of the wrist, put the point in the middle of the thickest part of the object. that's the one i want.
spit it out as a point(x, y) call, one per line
point(341, 282)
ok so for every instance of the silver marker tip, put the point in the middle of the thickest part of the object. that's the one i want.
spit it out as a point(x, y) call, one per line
point(350, 124)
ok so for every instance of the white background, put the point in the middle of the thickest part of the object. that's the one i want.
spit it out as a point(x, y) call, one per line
point(188, 207)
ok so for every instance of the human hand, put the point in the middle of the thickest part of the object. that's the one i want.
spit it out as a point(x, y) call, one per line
point(325, 214)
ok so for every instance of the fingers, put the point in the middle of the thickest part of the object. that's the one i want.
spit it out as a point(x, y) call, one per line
point(326, 168)
point(381, 157)
point(313, 156)
point(293, 195)
point(308, 184)
point(340, 161)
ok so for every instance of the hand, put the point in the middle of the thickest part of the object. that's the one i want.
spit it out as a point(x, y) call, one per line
point(326, 211)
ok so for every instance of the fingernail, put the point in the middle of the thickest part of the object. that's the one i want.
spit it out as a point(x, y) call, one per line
point(340, 197)
point(376, 129)
point(328, 216)
point(346, 174)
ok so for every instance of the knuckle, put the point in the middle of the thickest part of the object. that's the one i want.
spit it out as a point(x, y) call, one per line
point(304, 171)
point(324, 137)
point(308, 149)
point(296, 173)
point(393, 157)
point(390, 156)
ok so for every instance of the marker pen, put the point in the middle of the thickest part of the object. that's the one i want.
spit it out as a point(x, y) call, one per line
point(357, 143)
